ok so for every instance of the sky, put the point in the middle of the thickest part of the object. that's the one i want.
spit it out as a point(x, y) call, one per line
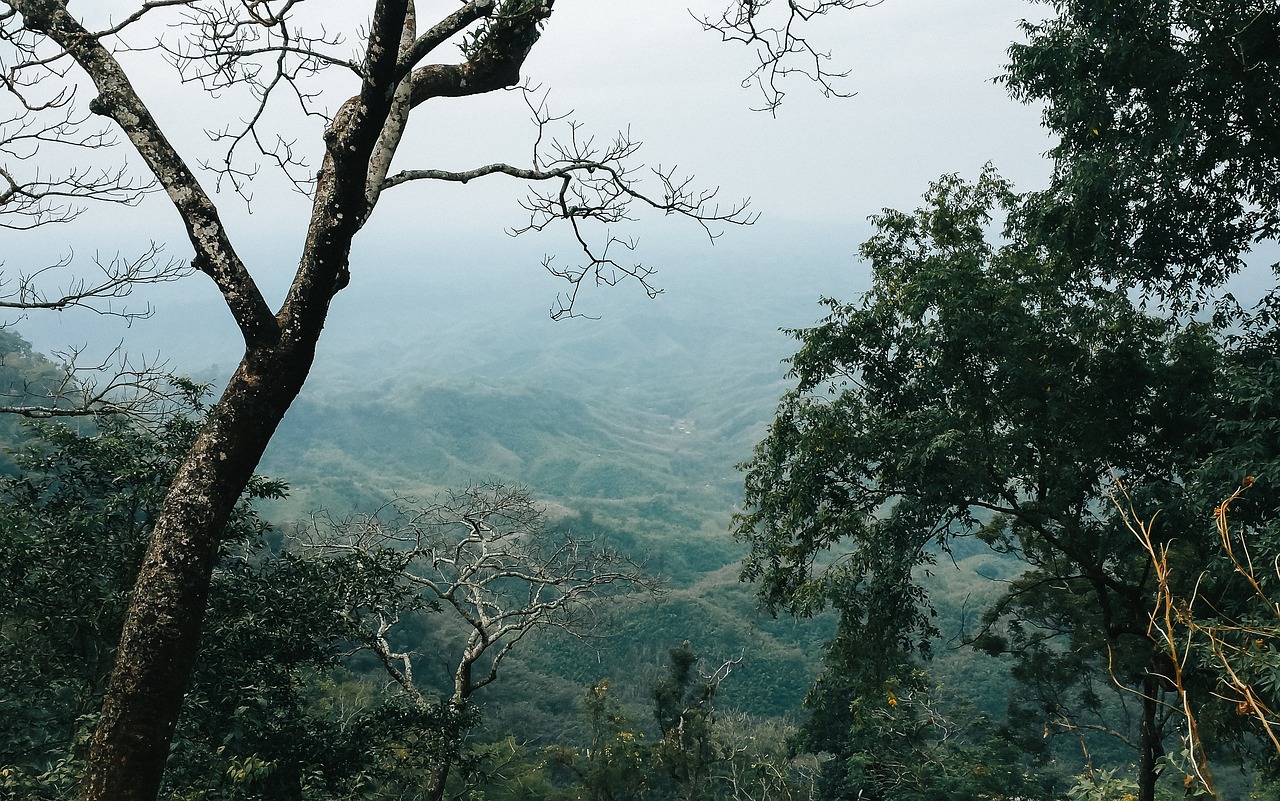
point(923, 103)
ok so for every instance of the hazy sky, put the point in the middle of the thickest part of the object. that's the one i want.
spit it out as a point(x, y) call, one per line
point(925, 104)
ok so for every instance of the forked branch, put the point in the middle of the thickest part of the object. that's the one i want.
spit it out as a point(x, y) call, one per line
point(595, 184)
point(1194, 634)
point(115, 280)
point(486, 555)
point(118, 101)
point(781, 48)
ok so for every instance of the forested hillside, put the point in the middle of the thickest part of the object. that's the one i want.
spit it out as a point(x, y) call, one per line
point(629, 429)
point(977, 500)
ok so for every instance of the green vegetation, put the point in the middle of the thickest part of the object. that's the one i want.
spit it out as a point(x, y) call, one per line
point(1063, 396)
point(641, 446)
point(272, 714)
point(27, 379)
point(292, 697)
point(977, 538)
point(916, 421)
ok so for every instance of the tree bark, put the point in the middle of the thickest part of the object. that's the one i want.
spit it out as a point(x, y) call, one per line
point(161, 633)
point(162, 630)
point(434, 791)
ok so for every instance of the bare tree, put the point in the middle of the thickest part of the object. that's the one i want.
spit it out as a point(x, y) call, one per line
point(143, 390)
point(487, 556)
point(779, 43)
point(51, 58)
point(32, 197)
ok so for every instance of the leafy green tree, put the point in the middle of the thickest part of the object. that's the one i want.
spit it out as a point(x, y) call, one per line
point(895, 734)
point(988, 391)
point(682, 706)
point(265, 716)
point(615, 766)
point(1167, 162)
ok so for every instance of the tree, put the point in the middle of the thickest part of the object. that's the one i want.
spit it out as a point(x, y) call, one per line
point(761, 761)
point(272, 51)
point(260, 718)
point(1232, 643)
point(76, 515)
point(917, 419)
point(487, 556)
point(1168, 145)
point(683, 707)
point(615, 766)
point(905, 738)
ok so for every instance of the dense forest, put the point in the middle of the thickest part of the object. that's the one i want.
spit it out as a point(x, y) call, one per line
point(1012, 530)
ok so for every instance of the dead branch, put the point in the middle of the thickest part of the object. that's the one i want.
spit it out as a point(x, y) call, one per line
point(780, 47)
point(249, 46)
point(594, 184)
point(115, 280)
point(1190, 635)
point(145, 390)
point(487, 555)
point(30, 198)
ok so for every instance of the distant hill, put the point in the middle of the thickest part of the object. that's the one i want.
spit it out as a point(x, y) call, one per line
point(629, 427)
point(638, 418)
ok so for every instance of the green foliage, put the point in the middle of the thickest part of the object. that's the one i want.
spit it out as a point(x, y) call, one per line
point(506, 771)
point(896, 734)
point(776, 665)
point(27, 378)
point(73, 528)
point(912, 412)
point(700, 755)
point(1168, 153)
point(680, 691)
point(266, 716)
point(1103, 785)
point(985, 391)
point(682, 699)
point(615, 767)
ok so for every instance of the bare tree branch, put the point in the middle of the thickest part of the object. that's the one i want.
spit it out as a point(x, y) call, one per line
point(444, 30)
point(775, 36)
point(594, 184)
point(116, 280)
point(118, 100)
point(397, 118)
point(246, 44)
point(494, 53)
point(39, 198)
point(487, 554)
point(113, 385)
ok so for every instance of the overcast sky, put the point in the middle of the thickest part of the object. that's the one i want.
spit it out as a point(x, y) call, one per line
point(924, 104)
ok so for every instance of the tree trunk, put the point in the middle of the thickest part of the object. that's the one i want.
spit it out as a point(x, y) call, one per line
point(1150, 745)
point(434, 790)
point(439, 778)
point(161, 633)
point(166, 613)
